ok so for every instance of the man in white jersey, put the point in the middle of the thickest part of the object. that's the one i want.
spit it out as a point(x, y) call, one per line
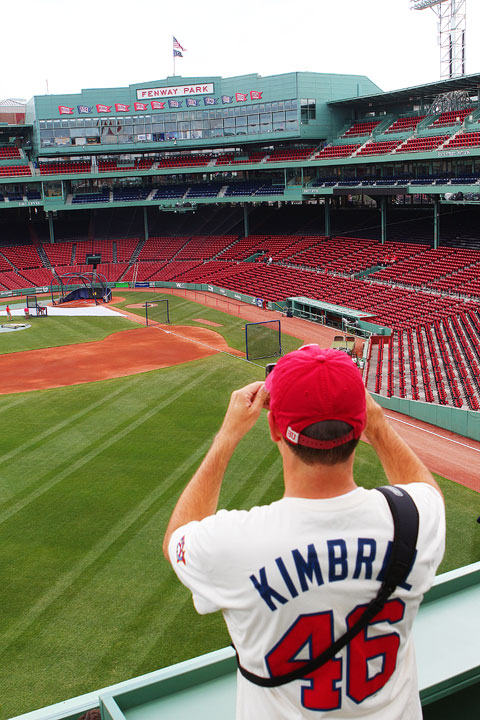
point(293, 576)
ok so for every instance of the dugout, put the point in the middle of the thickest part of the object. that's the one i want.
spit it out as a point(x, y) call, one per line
point(335, 316)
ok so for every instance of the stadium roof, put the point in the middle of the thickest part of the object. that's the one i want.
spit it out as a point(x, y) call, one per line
point(421, 92)
point(9, 102)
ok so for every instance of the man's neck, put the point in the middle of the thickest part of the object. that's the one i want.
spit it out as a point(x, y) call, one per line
point(317, 481)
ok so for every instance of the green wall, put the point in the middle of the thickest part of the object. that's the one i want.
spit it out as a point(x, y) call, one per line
point(457, 420)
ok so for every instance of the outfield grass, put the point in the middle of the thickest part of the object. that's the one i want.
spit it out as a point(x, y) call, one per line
point(90, 475)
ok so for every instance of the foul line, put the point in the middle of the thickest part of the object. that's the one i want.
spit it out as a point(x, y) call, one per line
point(430, 432)
point(210, 347)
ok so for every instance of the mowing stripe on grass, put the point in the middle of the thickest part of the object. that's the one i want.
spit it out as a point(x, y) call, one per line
point(141, 634)
point(35, 439)
point(174, 626)
point(144, 416)
point(13, 403)
point(75, 440)
point(273, 489)
point(66, 580)
point(253, 487)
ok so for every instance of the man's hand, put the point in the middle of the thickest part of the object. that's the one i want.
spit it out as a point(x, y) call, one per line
point(244, 410)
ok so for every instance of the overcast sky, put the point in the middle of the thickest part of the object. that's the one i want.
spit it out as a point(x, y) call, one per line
point(113, 43)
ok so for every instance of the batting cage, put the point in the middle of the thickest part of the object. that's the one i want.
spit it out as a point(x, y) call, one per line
point(263, 339)
point(79, 286)
point(157, 311)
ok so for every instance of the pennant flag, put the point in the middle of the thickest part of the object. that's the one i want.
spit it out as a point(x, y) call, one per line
point(210, 101)
point(255, 95)
point(64, 110)
point(227, 99)
point(84, 109)
point(175, 103)
point(140, 106)
point(240, 97)
point(192, 102)
point(177, 53)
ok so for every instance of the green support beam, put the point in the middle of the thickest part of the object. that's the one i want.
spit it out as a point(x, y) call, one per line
point(436, 222)
point(145, 223)
point(245, 220)
point(328, 232)
point(50, 227)
point(383, 211)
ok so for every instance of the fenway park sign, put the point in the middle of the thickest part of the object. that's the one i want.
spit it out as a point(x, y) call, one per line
point(175, 91)
point(175, 96)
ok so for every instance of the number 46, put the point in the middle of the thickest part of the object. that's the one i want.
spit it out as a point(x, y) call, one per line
point(315, 633)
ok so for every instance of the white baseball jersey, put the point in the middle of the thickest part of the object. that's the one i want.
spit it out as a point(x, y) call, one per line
point(293, 576)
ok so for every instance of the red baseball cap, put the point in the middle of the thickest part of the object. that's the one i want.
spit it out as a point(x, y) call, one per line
point(314, 384)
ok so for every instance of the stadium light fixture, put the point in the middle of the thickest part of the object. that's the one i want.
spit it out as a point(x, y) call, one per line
point(423, 4)
point(451, 33)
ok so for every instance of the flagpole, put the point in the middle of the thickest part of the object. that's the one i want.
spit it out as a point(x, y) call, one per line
point(176, 51)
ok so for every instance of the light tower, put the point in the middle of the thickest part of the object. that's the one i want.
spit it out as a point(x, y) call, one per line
point(451, 33)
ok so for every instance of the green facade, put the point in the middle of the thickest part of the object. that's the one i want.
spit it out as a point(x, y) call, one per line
point(177, 116)
point(198, 112)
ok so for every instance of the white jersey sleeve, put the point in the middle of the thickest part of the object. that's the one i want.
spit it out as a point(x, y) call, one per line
point(198, 552)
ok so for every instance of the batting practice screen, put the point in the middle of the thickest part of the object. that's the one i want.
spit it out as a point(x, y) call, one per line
point(263, 339)
point(156, 310)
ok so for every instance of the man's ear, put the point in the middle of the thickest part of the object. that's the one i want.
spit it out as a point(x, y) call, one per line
point(275, 433)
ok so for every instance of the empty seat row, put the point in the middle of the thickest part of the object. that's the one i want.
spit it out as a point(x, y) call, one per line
point(424, 144)
point(405, 123)
point(9, 153)
point(14, 170)
point(452, 117)
point(362, 128)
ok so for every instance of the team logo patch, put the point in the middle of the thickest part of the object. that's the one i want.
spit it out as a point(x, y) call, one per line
point(292, 435)
point(181, 551)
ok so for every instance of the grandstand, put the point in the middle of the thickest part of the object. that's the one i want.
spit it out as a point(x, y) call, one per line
point(342, 185)
point(362, 199)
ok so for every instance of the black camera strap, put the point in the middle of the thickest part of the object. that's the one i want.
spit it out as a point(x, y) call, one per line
point(405, 523)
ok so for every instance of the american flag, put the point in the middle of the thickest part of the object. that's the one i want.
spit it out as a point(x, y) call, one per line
point(176, 45)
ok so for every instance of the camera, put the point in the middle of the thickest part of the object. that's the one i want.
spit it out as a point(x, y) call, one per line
point(268, 368)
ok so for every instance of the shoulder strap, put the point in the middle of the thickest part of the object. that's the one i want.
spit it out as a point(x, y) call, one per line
point(405, 522)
